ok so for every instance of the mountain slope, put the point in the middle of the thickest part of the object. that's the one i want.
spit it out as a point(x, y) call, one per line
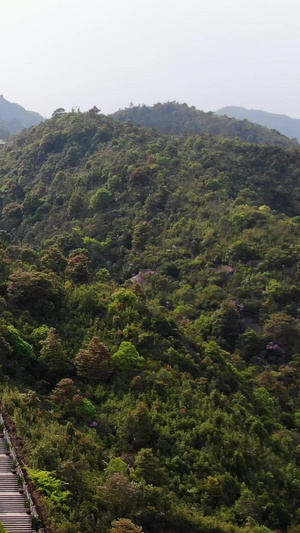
point(43, 170)
point(13, 118)
point(175, 118)
point(150, 326)
point(286, 125)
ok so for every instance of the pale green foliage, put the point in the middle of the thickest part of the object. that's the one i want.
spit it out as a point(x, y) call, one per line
point(50, 485)
point(87, 409)
point(103, 274)
point(127, 357)
point(125, 297)
point(39, 335)
point(116, 464)
point(22, 349)
point(266, 402)
point(204, 326)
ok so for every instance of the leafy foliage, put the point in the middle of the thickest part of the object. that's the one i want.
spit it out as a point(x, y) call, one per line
point(150, 344)
point(172, 117)
point(127, 356)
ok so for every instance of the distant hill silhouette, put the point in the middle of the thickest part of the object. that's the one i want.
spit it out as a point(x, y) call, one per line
point(14, 118)
point(175, 118)
point(286, 125)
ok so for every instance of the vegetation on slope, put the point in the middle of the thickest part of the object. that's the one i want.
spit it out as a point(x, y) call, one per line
point(149, 326)
point(177, 119)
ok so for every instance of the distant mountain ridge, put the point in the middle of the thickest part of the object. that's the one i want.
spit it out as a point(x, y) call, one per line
point(286, 125)
point(175, 118)
point(14, 118)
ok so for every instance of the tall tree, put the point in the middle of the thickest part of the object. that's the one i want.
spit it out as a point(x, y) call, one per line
point(54, 356)
point(94, 362)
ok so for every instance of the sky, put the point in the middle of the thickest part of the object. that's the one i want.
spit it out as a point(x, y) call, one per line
point(109, 53)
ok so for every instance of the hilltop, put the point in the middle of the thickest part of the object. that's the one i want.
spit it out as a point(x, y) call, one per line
point(50, 174)
point(13, 118)
point(286, 125)
point(150, 326)
point(177, 119)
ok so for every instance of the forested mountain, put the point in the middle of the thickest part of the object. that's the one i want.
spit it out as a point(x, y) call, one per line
point(286, 125)
point(13, 118)
point(175, 118)
point(149, 329)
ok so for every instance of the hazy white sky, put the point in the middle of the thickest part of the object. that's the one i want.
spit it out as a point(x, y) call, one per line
point(208, 53)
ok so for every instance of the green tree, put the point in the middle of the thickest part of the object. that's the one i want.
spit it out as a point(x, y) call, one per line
point(54, 260)
point(101, 200)
point(138, 428)
point(119, 495)
point(226, 323)
point(39, 335)
point(76, 205)
point(67, 395)
point(78, 268)
point(148, 467)
point(127, 357)
point(36, 291)
point(94, 362)
point(22, 350)
point(58, 112)
point(54, 356)
point(250, 344)
point(141, 234)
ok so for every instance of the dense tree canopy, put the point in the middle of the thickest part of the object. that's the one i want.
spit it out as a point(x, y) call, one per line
point(175, 118)
point(150, 326)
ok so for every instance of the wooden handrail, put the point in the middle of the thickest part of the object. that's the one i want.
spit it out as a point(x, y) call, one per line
point(20, 472)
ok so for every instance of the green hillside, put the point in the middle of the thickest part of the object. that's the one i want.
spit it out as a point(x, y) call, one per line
point(175, 118)
point(149, 328)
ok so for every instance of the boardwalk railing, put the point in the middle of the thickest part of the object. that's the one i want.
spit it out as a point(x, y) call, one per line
point(23, 487)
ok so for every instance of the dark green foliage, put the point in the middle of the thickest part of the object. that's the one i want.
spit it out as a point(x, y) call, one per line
point(35, 291)
point(94, 363)
point(101, 200)
point(54, 356)
point(150, 326)
point(180, 118)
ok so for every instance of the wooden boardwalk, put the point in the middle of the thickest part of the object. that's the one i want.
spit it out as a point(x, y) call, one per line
point(16, 505)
